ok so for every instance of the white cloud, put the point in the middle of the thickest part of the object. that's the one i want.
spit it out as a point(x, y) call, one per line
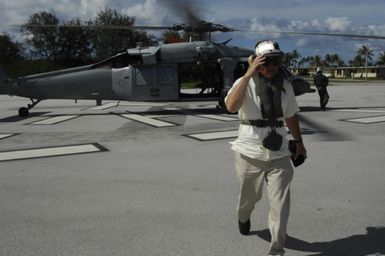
point(376, 29)
point(258, 26)
point(337, 23)
point(299, 25)
point(149, 12)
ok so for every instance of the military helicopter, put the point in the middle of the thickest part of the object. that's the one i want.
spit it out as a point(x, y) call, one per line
point(188, 71)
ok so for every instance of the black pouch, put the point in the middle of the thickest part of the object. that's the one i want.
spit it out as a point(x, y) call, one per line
point(273, 141)
point(292, 148)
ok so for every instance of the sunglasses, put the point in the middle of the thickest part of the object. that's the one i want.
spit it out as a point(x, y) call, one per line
point(272, 60)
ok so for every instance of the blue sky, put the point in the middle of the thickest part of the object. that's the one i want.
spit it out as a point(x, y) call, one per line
point(343, 16)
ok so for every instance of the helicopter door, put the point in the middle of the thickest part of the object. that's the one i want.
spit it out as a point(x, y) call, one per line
point(122, 82)
point(156, 83)
point(203, 81)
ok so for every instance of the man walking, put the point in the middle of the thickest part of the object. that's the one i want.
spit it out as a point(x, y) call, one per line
point(264, 100)
point(321, 82)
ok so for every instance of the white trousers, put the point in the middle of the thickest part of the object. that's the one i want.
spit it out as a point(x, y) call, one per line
point(277, 174)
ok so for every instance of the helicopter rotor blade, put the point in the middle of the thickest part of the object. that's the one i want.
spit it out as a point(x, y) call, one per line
point(109, 27)
point(318, 34)
point(323, 132)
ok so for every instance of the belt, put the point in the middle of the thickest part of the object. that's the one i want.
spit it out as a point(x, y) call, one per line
point(263, 123)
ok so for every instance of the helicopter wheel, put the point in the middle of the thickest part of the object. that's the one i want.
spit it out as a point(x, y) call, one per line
point(23, 112)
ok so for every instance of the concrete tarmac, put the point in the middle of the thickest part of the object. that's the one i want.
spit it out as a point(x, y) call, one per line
point(159, 179)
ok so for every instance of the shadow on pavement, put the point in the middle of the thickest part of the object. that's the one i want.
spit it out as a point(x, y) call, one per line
point(371, 243)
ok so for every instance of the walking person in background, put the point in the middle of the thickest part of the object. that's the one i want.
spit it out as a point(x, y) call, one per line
point(321, 82)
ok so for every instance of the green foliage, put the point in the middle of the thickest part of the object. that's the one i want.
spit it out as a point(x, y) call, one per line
point(294, 59)
point(50, 45)
point(108, 42)
point(381, 59)
point(44, 39)
point(10, 54)
point(291, 58)
point(75, 46)
point(25, 67)
point(9, 50)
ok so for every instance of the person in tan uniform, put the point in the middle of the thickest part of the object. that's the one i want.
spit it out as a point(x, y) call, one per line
point(265, 100)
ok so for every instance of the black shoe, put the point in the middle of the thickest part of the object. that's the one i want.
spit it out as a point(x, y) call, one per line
point(244, 228)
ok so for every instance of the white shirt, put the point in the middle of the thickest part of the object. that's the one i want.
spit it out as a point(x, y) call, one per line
point(249, 141)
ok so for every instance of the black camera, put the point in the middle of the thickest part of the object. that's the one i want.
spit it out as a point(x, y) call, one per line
point(300, 159)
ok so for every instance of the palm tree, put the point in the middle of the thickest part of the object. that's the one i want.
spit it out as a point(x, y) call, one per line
point(368, 53)
point(381, 58)
point(291, 58)
point(358, 61)
point(333, 60)
point(316, 61)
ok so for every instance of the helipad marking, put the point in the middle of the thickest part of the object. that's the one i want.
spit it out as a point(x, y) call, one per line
point(219, 117)
point(214, 135)
point(148, 120)
point(55, 120)
point(50, 151)
point(367, 120)
point(124, 103)
point(171, 108)
point(104, 106)
point(6, 135)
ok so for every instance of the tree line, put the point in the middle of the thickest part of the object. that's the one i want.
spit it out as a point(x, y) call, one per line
point(76, 42)
point(73, 43)
point(363, 57)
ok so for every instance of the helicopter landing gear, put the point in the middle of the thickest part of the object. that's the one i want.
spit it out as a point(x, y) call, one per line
point(24, 111)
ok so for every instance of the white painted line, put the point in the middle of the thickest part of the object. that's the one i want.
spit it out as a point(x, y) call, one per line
point(360, 110)
point(55, 120)
point(368, 120)
point(171, 108)
point(148, 120)
point(51, 151)
point(6, 135)
point(105, 106)
point(219, 117)
point(139, 103)
point(214, 135)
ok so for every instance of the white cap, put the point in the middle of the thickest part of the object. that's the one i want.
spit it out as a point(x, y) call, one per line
point(268, 47)
point(319, 69)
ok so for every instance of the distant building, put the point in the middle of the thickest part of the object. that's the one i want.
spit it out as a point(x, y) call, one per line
point(343, 72)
